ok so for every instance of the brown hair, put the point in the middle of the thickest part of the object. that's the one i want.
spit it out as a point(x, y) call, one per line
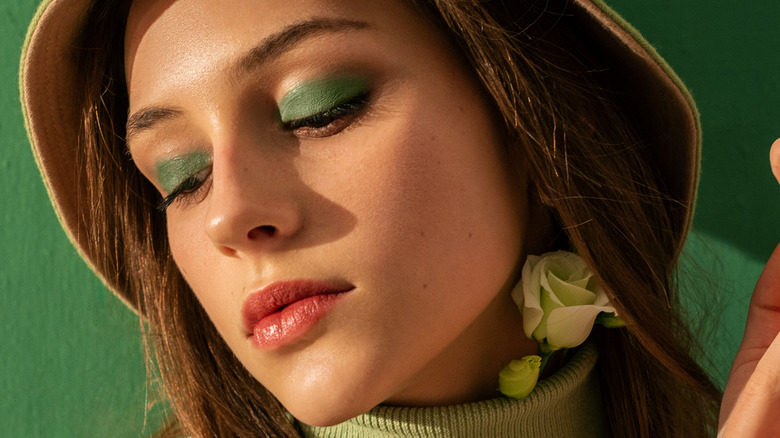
point(587, 162)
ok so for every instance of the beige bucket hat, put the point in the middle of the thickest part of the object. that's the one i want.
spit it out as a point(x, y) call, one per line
point(50, 88)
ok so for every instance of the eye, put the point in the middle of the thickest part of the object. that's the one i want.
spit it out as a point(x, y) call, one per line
point(182, 175)
point(188, 188)
point(330, 121)
point(325, 106)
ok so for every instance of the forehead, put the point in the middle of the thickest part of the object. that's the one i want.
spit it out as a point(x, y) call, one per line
point(188, 38)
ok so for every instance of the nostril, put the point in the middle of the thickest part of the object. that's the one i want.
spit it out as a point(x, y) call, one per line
point(262, 231)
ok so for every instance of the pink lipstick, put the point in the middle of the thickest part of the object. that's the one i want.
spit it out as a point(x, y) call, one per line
point(283, 311)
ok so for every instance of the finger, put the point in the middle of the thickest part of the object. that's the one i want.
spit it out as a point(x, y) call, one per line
point(755, 413)
point(763, 324)
point(763, 321)
point(774, 159)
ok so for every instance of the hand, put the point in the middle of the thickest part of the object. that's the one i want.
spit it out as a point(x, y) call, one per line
point(751, 401)
point(774, 159)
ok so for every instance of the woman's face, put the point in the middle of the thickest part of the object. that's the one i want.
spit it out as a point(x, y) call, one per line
point(337, 196)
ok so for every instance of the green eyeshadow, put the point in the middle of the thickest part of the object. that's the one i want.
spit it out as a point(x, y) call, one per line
point(317, 96)
point(174, 171)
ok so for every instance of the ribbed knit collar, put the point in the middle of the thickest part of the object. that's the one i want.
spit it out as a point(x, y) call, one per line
point(566, 404)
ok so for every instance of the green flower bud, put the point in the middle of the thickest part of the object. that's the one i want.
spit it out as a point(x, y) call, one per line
point(519, 378)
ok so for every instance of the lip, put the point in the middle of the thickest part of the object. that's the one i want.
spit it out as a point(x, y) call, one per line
point(280, 312)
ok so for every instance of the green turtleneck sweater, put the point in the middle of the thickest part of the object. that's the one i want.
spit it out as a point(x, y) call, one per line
point(566, 404)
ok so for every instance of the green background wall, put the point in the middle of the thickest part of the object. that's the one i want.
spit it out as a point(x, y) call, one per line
point(70, 357)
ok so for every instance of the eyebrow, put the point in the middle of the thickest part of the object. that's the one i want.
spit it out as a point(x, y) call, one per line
point(147, 117)
point(269, 49)
point(276, 44)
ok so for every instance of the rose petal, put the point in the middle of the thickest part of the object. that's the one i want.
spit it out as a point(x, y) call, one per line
point(582, 282)
point(570, 294)
point(601, 296)
point(568, 327)
point(517, 295)
point(531, 290)
point(548, 305)
point(566, 265)
point(549, 302)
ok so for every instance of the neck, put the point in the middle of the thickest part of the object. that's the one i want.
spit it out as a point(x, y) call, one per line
point(467, 370)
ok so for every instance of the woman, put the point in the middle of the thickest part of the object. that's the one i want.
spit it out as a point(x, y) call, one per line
point(322, 207)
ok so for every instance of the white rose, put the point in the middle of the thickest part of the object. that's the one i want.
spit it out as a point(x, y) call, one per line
point(559, 298)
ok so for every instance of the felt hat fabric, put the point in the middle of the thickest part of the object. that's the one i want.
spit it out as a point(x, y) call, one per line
point(50, 90)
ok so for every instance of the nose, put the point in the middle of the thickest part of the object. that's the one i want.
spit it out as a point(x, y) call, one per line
point(252, 202)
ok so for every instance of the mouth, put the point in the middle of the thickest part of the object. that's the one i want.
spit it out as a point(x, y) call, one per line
point(281, 312)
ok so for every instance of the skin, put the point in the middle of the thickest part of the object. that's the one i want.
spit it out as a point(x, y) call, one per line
point(410, 199)
point(752, 396)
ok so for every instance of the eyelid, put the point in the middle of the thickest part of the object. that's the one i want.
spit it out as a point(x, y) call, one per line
point(319, 95)
point(174, 171)
point(198, 181)
point(331, 121)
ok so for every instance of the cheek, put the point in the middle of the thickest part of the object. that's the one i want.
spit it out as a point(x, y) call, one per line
point(437, 193)
point(197, 259)
point(185, 244)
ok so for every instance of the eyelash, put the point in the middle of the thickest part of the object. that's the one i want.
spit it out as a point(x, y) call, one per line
point(324, 124)
point(189, 187)
point(321, 124)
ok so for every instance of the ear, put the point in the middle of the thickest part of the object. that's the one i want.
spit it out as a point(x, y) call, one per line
point(774, 159)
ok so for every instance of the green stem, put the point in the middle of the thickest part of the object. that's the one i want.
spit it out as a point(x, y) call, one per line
point(545, 352)
point(544, 357)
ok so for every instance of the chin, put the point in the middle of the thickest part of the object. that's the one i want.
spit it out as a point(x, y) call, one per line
point(328, 405)
point(327, 414)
